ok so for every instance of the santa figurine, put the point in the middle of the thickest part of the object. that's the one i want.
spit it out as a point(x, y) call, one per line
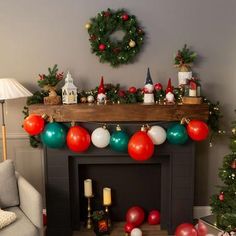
point(170, 98)
point(148, 90)
point(101, 97)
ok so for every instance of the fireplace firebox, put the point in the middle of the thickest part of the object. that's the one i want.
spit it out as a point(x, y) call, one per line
point(164, 182)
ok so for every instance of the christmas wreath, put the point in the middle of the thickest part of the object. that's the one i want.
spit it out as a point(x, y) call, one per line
point(115, 52)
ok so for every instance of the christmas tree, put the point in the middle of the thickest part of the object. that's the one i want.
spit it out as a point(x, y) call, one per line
point(224, 203)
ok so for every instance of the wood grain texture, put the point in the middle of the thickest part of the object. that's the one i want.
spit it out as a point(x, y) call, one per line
point(118, 230)
point(121, 112)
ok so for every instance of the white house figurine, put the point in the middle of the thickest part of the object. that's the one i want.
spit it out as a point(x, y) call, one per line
point(69, 91)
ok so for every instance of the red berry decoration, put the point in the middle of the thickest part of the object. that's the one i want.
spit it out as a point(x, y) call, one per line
point(185, 229)
point(221, 196)
point(154, 217)
point(128, 227)
point(135, 216)
point(125, 17)
point(102, 47)
point(197, 130)
point(78, 139)
point(132, 89)
point(34, 124)
point(158, 86)
point(140, 146)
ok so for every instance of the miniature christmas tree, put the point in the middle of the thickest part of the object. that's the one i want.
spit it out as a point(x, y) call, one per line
point(224, 204)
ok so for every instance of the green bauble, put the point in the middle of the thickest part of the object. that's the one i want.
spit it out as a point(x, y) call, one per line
point(177, 134)
point(54, 135)
point(233, 144)
point(119, 141)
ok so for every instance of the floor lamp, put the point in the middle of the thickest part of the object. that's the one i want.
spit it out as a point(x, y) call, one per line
point(9, 89)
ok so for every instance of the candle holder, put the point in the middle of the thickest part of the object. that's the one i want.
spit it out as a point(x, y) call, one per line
point(108, 215)
point(89, 222)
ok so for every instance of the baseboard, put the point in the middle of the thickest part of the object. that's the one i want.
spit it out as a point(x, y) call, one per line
point(201, 211)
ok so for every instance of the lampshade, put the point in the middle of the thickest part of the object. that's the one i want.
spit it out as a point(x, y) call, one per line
point(10, 89)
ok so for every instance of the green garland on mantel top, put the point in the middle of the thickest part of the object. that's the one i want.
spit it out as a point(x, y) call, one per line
point(115, 94)
point(115, 52)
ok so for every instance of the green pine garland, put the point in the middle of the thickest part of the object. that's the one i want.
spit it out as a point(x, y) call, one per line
point(107, 22)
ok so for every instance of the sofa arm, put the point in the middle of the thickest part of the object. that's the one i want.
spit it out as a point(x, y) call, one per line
point(30, 201)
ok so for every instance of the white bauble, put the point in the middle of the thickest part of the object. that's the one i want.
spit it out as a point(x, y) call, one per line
point(157, 134)
point(136, 232)
point(90, 99)
point(100, 137)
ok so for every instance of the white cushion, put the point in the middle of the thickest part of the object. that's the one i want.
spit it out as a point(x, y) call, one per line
point(6, 218)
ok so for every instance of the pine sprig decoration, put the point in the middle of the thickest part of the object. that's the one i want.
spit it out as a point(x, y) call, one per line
point(184, 58)
point(52, 79)
point(115, 52)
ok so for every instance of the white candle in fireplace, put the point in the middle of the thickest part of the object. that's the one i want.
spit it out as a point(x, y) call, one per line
point(88, 190)
point(106, 196)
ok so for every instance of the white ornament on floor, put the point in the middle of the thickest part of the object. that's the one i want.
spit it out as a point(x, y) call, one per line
point(136, 232)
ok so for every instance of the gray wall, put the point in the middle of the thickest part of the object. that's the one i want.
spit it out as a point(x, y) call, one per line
point(37, 34)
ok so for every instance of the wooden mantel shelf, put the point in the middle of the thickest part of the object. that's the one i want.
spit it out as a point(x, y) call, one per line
point(120, 112)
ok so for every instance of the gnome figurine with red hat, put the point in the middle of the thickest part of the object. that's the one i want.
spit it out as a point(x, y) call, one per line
point(170, 98)
point(148, 90)
point(101, 97)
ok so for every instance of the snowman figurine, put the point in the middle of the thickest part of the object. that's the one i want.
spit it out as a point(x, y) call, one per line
point(148, 90)
point(101, 97)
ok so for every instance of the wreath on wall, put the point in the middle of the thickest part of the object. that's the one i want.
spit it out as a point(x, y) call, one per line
point(115, 52)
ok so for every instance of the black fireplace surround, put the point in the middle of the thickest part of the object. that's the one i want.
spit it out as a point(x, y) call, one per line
point(164, 182)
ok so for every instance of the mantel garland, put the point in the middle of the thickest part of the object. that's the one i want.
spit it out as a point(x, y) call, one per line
point(115, 94)
point(101, 27)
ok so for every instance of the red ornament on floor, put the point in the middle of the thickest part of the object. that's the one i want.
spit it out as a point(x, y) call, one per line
point(135, 216)
point(128, 227)
point(185, 229)
point(102, 47)
point(154, 217)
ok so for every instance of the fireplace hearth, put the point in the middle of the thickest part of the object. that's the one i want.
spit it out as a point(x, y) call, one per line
point(165, 182)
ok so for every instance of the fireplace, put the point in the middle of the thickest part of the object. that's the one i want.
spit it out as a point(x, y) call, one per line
point(165, 182)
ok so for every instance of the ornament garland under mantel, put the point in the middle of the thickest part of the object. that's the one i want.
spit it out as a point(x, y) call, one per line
point(121, 112)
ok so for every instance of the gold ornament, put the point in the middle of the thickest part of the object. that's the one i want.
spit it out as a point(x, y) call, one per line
point(87, 26)
point(132, 44)
point(234, 131)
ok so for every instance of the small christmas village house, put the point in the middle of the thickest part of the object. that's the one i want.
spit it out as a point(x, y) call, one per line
point(69, 91)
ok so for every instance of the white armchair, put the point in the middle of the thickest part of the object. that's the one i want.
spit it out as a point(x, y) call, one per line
point(28, 211)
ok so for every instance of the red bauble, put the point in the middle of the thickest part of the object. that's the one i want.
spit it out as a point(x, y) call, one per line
point(197, 130)
point(125, 17)
point(34, 124)
point(158, 86)
point(132, 90)
point(128, 227)
point(154, 217)
point(140, 146)
point(135, 216)
point(201, 229)
point(78, 139)
point(185, 229)
point(233, 164)
point(102, 47)
point(221, 196)
point(121, 93)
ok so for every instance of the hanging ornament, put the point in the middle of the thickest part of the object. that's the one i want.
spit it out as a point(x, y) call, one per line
point(177, 134)
point(157, 134)
point(102, 47)
point(125, 17)
point(101, 97)
point(136, 232)
point(100, 137)
point(197, 130)
point(154, 217)
point(78, 139)
point(128, 227)
point(54, 135)
point(119, 140)
point(132, 43)
point(87, 26)
point(221, 196)
point(140, 146)
point(201, 229)
point(34, 124)
point(233, 164)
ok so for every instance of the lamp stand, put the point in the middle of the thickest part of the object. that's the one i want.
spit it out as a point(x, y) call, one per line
point(4, 139)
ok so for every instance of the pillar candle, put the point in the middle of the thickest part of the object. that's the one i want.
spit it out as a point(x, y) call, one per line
point(88, 190)
point(106, 196)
